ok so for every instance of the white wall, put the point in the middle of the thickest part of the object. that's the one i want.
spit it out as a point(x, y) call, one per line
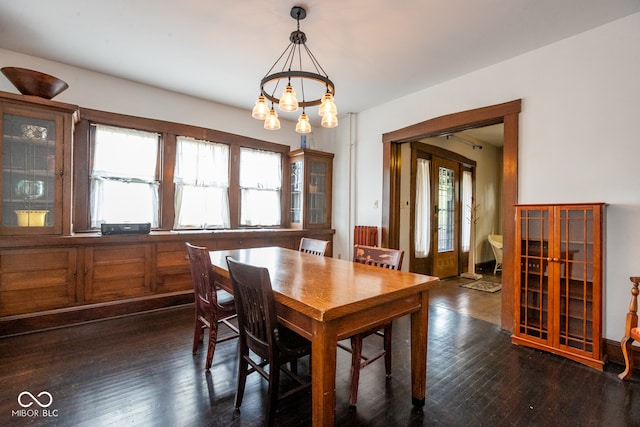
point(579, 141)
point(101, 92)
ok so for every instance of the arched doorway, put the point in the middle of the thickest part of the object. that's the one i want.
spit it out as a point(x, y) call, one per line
point(507, 114)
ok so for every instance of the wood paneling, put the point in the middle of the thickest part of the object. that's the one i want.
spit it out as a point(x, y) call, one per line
point(58, 280)
point(117, 272)
point(35, 280)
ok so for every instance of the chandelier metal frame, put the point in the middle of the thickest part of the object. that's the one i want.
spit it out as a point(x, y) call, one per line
point(298, 39)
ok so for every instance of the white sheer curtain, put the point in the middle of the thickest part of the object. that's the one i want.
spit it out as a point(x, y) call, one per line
point(423, 209)
point(124, 185)
point(260, 185)
point(467, 210)
point(201, 178)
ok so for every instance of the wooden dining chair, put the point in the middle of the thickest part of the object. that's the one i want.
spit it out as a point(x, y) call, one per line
point(262, 334)
point(212, 305)
point(631, 331)
point(313, 246)
point(384, 258)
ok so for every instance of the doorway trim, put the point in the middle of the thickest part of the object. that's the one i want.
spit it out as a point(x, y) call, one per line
point(506, 113)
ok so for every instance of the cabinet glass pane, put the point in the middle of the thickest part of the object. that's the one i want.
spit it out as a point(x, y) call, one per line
point(576, 278)
point(297, 179)
point(317, 184)
point(28, 171)
point(534, 273)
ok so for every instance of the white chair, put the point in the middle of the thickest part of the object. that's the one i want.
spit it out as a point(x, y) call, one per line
point(495, 240)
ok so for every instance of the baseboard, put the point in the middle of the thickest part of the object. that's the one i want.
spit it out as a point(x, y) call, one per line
point(613, 351)
point(33, 322)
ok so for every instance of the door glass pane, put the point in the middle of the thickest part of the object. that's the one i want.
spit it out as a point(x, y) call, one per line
point(28, 180)
point(446, 212)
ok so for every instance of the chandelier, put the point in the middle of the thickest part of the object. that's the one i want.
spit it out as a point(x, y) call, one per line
point(314, 86)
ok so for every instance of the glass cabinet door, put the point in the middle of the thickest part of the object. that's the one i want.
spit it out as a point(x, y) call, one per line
point(576, 308)
point(30, 182)
point(533, 315)
point(297, 185)
point(317, 192)
point(310, 173)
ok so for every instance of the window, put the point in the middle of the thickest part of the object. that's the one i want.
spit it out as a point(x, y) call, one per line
point(174, 176)
point(201, 179)
point(260, 185)
point(123, 179)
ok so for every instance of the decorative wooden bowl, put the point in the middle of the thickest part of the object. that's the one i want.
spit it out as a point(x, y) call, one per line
point(30, 82)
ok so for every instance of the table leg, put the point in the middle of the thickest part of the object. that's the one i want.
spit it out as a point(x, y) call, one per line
point(419, 332)
point(323, 374)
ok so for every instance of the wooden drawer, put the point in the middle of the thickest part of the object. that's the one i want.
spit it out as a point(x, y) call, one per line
point(37, 279)
point(117, 272)
point(172, 267)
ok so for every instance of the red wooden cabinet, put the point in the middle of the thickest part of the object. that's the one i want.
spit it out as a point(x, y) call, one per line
point(558, 301)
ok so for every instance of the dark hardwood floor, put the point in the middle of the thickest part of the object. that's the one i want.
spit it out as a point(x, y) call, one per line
point(139, 371)
point(481, 305)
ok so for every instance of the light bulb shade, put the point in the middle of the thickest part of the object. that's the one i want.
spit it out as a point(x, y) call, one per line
point(327, 105)
point(303, 125)
point(272, 122)
point(288, 102)
point(329, 120)
point(260, 110)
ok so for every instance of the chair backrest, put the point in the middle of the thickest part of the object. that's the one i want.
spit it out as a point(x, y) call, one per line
point(365, 235)
point(495, 240)
point(202, 278)
point(313, 246)
point(255, 305)
point(380, 257)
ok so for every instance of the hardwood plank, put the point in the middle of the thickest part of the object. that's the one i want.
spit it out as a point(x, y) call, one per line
point(139, 371)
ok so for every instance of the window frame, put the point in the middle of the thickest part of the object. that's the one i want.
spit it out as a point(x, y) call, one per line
point(169, 131)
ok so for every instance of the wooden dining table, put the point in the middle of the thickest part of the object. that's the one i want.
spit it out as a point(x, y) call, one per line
point(326, 300)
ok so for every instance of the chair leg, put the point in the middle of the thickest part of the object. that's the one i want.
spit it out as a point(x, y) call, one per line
point(243, 367)
point(627, 352)
point(356, 356)
point(197, 335)
point(272, 394)
point(387, 348)
point(211, 348)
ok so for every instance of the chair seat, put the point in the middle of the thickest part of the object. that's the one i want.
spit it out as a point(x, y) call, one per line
point(635, 334)
point(294, 345)
point(225, 298)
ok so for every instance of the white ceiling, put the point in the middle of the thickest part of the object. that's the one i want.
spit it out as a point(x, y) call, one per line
point(373, 50)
